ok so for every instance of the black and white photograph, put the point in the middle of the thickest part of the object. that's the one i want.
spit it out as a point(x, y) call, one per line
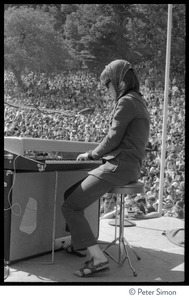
point(94, 146)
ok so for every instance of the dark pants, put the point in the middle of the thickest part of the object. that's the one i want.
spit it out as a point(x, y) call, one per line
point(76, 200)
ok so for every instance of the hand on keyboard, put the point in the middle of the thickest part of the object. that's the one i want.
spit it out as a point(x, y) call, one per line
point(82, 156)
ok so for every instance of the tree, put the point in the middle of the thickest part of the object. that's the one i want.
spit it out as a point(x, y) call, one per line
point(31, 43)
point(95, 35)
point(178, 43)
point(98, 33)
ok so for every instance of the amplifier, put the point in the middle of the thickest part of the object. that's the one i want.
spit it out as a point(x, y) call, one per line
point(29, 211)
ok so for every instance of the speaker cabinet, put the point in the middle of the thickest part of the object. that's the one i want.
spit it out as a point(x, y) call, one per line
point(29, 222)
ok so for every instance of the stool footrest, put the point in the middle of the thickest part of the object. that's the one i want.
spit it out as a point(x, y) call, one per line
point(127, 223)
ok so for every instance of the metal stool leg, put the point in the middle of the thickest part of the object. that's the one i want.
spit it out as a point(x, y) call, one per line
point(116, 217)
point(130, 264)
point(121, 230)
point(127, 243)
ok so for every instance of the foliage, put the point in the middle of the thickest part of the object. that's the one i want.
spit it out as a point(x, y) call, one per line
point(94, 33)
point(98, 33)
point(151, 38)
point(31, 43)
point(178, 41)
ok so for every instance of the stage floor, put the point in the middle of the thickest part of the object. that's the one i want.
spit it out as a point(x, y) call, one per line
point(161, 260)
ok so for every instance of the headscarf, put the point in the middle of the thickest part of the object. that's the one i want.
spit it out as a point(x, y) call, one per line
point(115, 72)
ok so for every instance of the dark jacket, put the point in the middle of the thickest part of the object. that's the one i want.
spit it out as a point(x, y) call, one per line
point(123, 148)
point(129, 131)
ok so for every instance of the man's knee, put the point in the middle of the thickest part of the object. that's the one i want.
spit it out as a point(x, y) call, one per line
point(66, 210)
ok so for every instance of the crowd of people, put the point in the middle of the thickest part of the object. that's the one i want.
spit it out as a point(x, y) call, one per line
point(73, 92)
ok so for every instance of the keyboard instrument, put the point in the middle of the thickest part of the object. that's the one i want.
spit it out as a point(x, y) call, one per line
point(38, 155)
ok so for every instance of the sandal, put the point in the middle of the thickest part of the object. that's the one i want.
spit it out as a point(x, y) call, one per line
point(91, 269)
point(69, 249)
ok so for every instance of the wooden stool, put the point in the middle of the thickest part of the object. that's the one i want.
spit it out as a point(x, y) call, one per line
point(129, 189)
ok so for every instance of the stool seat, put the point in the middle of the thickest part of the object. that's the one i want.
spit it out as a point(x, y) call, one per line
point(129, 189)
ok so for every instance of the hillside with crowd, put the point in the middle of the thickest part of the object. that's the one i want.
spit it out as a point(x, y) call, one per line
point(71, 92)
